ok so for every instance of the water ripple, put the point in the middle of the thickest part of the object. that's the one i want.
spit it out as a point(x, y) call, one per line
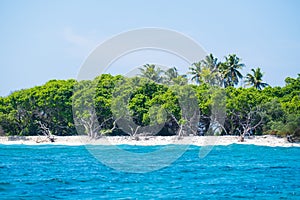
point(235, 172)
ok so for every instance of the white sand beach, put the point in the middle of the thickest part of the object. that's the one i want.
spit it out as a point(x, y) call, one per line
point(266, 140)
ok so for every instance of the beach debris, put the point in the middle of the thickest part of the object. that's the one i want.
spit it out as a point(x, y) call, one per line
point(46, 131)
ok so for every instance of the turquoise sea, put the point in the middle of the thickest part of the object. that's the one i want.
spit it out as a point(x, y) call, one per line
point(71, 172)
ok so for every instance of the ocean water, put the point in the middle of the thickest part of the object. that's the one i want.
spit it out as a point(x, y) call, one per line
point(71, 172)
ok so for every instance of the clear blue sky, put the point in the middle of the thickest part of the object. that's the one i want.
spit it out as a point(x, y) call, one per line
point(43, 40)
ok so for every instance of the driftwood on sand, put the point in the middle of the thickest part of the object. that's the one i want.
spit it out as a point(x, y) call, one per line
point(46, 131)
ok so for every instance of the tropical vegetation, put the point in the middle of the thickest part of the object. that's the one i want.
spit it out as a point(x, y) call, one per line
point(209, 100)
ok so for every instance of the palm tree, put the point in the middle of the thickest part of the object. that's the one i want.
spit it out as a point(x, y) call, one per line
point(211, 73)
point(255, 79)
point(151, 72)
point(206, 71)
point(211, 62)
point(230, 70)
point(196, 70)
point(171, 73)
point(173, 77)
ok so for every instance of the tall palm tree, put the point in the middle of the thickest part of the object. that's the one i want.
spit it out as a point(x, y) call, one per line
point(173, 77)
point(230, 70)
point(151, 72)
point(255, 79)
point(211, 72)
point(196, 70)
point(171, 73)
point(211, 62)
point(206, 71)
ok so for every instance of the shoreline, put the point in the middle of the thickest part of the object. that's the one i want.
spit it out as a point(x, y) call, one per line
point(265, 140)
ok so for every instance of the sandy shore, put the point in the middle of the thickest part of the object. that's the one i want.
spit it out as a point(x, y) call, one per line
point(265, 140)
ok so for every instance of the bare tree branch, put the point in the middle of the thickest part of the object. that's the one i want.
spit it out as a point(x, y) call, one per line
point(46, 131)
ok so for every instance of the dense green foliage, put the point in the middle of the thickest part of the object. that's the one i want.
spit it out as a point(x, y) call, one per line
point(157, 102)
point(50, 104)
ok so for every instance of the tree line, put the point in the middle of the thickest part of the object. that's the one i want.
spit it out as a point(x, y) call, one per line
point(209, 100)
